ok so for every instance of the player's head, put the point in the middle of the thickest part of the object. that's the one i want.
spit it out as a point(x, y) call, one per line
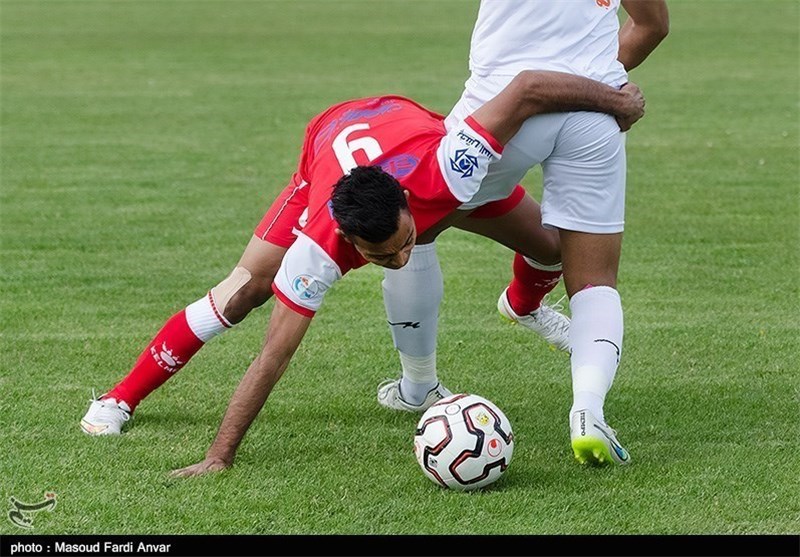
point(372, 211)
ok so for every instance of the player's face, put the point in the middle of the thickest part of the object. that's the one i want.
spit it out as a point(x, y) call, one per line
point(396, 250)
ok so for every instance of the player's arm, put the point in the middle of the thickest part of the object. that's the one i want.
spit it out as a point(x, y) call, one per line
point(647, 25)
point(284, 334)
point(538, 92)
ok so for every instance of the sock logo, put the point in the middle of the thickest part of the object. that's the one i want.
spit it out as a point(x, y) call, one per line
point(405, 324)
point(611, 343)
point(166, 359)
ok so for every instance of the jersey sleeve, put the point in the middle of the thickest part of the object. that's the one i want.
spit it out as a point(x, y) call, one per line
point(464, 155)
point(305, 275)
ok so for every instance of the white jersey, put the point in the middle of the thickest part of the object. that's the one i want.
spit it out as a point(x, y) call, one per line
point(580, 37)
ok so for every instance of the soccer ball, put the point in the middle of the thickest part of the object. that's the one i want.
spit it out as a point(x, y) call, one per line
point(464, 442)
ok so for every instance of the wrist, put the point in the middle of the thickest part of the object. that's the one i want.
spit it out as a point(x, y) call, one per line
point(618, 103)
point(220, 455)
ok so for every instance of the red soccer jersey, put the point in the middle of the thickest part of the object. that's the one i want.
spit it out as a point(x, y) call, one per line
point(440, 170)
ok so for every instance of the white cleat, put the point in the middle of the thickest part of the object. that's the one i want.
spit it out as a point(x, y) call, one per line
point(593, 442)
point(389, 395)
point(105, 417)
point(545, 321)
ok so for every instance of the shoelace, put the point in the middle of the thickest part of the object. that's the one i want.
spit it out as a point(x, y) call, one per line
point(557, 306)
point(550, 318)
point(108, 412)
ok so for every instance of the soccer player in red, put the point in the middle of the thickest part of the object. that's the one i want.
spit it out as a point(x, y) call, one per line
point(399, 179)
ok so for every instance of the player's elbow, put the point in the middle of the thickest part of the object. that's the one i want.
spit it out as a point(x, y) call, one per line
point(530, 87)
point(660, 30)
point(658, 25)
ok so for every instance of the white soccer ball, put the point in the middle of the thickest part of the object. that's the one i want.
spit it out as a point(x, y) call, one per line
point(464, 442)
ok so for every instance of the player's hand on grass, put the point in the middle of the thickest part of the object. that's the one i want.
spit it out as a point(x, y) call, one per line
point(633, 107)
point(210, 464)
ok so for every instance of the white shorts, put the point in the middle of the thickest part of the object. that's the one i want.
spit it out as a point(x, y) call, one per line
point(582, 156)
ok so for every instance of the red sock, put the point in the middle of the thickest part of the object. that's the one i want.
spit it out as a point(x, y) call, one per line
point(168, 352)
point(529, 286)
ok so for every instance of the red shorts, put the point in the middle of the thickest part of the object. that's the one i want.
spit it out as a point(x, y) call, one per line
point(288, 213)
point(500, 207)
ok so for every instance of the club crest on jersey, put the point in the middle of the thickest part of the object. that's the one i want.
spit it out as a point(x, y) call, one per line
point(464, 163)
point(305, 287)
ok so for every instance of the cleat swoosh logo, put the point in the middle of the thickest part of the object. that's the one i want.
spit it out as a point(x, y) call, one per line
point(621, 453)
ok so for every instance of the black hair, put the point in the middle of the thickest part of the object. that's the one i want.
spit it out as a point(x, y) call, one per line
point(367, 203)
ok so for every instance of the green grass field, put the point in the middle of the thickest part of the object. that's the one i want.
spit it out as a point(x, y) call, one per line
point(142, 142)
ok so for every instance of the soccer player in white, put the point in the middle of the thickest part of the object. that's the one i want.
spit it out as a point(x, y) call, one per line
point(583, 162)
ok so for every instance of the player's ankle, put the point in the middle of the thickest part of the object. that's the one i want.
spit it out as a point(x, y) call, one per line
point(413, 392)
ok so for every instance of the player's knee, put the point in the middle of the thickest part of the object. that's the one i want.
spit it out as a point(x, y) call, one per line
point(546, 251)
point(239, 294)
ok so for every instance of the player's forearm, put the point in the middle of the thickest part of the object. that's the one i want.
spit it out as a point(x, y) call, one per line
point(286, 331)
point(538, 92)
point(543, 92)
point(643, 31)
point(246, 403)
point(561, 92)
point(636, 42)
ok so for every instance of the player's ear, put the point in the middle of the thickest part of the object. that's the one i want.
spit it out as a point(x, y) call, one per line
point(341, 234)
point(407, 193)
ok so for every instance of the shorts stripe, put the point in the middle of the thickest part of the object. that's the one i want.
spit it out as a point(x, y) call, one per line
point(285, 204)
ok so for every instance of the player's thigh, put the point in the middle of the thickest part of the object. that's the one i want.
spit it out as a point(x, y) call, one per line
point(262, 259)
point(584, 177)
point(517, 225)
point(277, 231)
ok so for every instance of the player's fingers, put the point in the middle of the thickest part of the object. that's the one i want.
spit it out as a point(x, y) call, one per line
point(186, 472)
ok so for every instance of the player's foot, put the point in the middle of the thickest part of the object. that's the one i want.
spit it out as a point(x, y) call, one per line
point(105, 417)
point(545, 321)
point(593, 442)
point(389, 395)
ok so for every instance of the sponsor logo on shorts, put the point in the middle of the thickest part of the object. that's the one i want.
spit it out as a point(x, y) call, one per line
point(305, 287)
point(464, 163)
point(603, 3)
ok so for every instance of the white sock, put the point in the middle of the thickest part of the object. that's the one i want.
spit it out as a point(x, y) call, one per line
point(412, 296)
point(204, 320)
point(419, 377)
point(595, 337)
